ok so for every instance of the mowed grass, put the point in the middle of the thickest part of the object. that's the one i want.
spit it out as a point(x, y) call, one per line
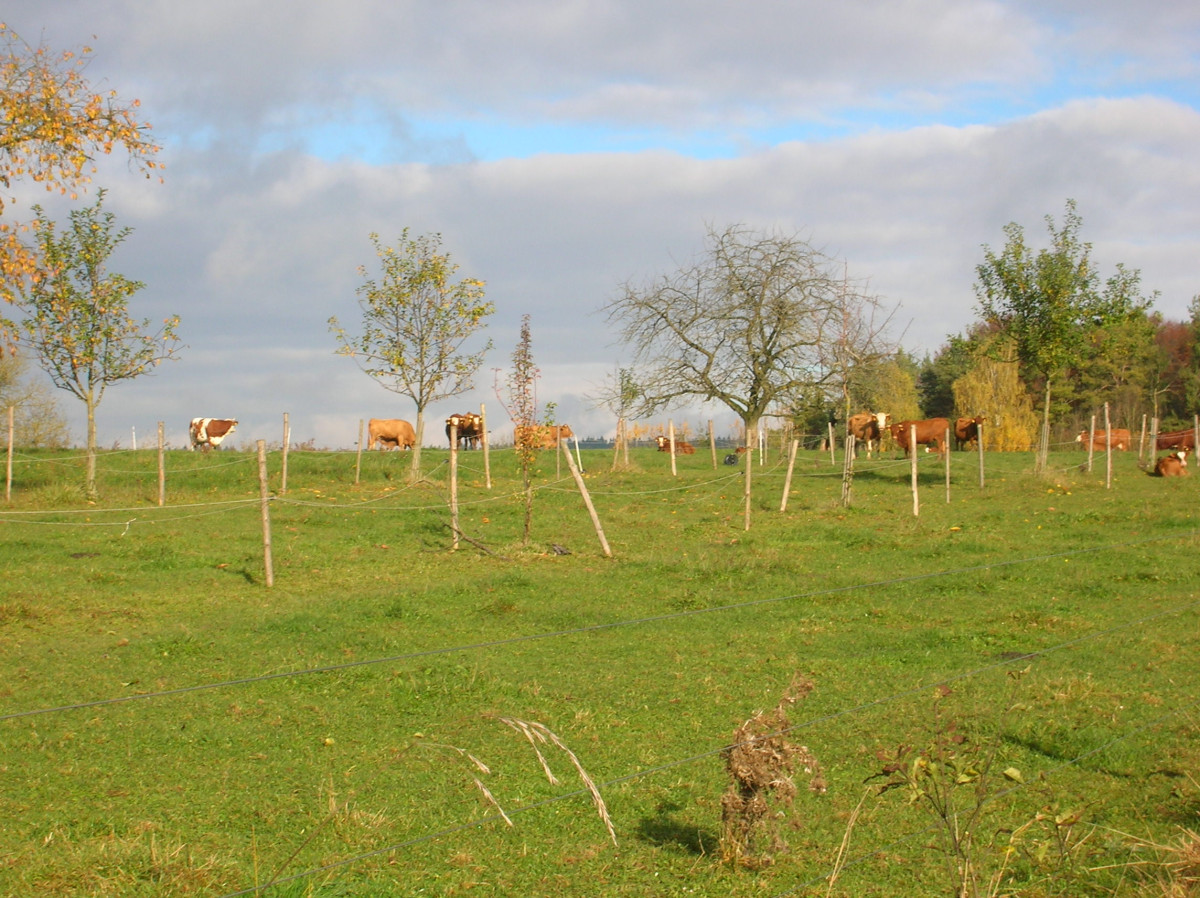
point(173, 726)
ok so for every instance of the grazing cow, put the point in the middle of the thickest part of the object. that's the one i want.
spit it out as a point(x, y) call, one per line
point(1173, 464)
point(682, 447)
point(390, 433)
point(931, 430)
point(966, 431)
point(1119, 440)
point(209, 432)
point(541, 436)
point(470, 429)
point(1176, 439)
point(867, 427)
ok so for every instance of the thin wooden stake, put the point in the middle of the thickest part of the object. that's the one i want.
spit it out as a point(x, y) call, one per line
point(454, 483)
point(912, 451)
point(162, 469)
point(265, 498)
point(287, 440)
point(358, 455)
point(11, 435)
point(787, 481)
point(587, 501)
point(483, 441)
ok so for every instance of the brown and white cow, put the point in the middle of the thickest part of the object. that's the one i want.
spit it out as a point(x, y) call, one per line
point(966, 431)
point(390, 433)
point(207, 433)
point(470, 429)
point(867, 427)
point(929, 431)
point(682, 447)
point(1118, 437)
point(1173, 464)
point(541, 436)
point(1176, 439)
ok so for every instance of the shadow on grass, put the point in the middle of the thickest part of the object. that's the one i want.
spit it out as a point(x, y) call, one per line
point(664, 830)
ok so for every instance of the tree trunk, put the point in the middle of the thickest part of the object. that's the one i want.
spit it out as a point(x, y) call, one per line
point(1043, 453)
point(415, 474)
point(90, 475)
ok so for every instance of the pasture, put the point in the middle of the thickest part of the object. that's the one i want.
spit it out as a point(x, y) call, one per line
point(171, 726)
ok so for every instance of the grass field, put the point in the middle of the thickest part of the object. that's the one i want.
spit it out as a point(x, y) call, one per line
point(1020, 659)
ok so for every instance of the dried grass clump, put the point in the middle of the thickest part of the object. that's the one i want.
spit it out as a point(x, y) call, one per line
point(762, 764)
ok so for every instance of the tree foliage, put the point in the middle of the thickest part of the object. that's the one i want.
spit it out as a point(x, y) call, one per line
point(1049, 302)
point(55, 126)
point(415, 322)
point(758, 320)
point(78, 320)
point(38, 420)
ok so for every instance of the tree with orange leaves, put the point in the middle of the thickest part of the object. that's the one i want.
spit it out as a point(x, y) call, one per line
point(55, 126)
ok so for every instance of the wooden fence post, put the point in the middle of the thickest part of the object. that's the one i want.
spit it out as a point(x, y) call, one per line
point(979, 449)
point(454, 483)
point(671, 446)
point(162, 470)
point(287, 439)
point(912, 451)
point(1108, 449)
point(587, 501)
point(485, 443)
point(712, 443)
point(358, 454)
point(946, 456)
point(11, 435)
point(265, 499)
point(749, 467)
point(787, 481)
point(848, 469)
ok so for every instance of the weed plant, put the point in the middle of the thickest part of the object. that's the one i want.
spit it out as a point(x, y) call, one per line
point(172, 726)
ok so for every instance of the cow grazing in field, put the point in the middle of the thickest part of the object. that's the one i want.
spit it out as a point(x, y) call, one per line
point(206, 433)
point(1118, 438)
point(1173, 464)
point(931, 430)
point(867, 427)
point(966, 431)
point(390, 433)
point(682, 447)
point(470, 429)
point(541, 436)
point(1176, 439)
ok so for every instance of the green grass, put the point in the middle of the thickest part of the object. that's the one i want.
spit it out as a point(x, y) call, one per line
point(313, 729)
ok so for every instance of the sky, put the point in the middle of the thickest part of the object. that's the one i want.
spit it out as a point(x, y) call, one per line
point(563, 148)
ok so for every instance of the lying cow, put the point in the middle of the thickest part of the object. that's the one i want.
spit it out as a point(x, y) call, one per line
point(1173, 464)
point(207, 433)
point(930, 431)
point(966, 431)
point(867, 427)
point(390, 433)
point(1118, 438)
point(541, 436)
point(1176, 439)
point(469, 428)
point(682, 447)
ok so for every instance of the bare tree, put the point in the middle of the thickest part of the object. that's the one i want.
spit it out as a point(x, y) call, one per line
point(756, 321)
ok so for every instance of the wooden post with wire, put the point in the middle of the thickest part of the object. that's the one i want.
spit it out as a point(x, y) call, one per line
point(912, 452)
point(454, 482)
point(358, 455)
point(787, 481)
point(483, 441)
point(265, 499)
point(946, 456)
point(671, 446)
point(287, 440)
point(587, 501)
point(11, 435)
point(162, 470)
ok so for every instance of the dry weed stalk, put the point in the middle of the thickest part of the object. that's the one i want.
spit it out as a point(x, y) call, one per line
point(762, 763)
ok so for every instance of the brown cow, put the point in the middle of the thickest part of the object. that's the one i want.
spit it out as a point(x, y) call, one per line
point(209, 432)
point(390, 433)
point(1173, 464)
point(966, 431)
point(470, 429)
point(541, 436)
point(931, 430)
point(1176, 439)
point(682, 447)
point(1119, 438)
point(867, 427)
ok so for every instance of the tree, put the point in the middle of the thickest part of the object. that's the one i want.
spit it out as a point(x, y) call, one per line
point(521, 388)
point(78, 320)
point(1047, 303)
point(38, 420)
point(758, 320)
point(55, 124)
point(415, 321)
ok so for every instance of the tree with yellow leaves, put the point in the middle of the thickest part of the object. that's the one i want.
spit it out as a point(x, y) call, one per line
point(55, 125)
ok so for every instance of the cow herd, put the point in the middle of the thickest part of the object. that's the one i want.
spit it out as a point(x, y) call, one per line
point(867, 428)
